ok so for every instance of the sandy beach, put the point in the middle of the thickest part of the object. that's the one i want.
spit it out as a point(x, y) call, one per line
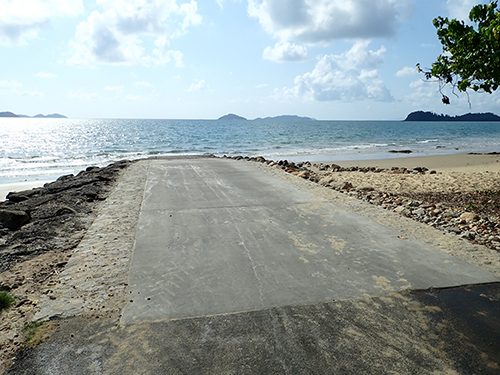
point(458, 173)
point(443, 163)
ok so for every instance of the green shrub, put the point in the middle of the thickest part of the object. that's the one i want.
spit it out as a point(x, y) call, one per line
point(6, 299)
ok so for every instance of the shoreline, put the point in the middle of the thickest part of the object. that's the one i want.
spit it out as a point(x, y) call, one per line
point(461, 162)
point(19, 186)
point(464, 162)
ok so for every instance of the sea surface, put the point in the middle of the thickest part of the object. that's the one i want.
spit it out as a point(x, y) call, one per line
point(44, 149)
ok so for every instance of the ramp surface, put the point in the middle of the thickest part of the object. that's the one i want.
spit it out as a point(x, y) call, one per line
point(220, 236)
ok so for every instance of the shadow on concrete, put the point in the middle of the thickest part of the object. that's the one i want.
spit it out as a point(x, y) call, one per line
point(410, 332)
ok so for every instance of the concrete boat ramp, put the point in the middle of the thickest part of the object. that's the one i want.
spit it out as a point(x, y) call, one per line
point(236, 271)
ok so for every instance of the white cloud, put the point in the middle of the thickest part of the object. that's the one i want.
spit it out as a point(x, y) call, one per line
point(117, 89)
point(21, 21)
point(319, 21)
point(143, 84)
point(220, 3)
point(11, 85)
point(201, 85)
point(353, 75)
point(285, 51)
point(191, 16)
point(81, 94)
point(45, 75)
point(406, 71)
point(119, 33)
point(460, 8)
point(359, 56)
point(16, 88)
point(164, 55)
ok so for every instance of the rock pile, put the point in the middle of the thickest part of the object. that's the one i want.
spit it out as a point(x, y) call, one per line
point(39, 228)
point(465, 220)
point(52, 218)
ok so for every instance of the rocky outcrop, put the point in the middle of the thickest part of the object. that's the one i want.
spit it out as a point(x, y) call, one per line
point(14, 219)
point(400, 151)
point(55, 217)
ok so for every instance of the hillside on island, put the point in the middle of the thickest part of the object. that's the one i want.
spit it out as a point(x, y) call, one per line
point(431, 116)
point(287, 118)
point(10, 114)
point(232, 116)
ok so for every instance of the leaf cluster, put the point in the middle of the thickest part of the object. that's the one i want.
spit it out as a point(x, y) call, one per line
point(471, 54)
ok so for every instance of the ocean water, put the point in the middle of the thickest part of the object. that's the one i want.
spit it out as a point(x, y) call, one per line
point(43, 149)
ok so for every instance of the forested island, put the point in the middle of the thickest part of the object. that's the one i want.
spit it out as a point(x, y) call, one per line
point(431, 116)
point(231, 116)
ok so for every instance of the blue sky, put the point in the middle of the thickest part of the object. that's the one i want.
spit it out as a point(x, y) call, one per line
point(327, 59)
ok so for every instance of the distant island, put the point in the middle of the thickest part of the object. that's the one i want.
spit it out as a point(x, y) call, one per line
point(287, 118)
point(232, 116)
point(430, 116)
point(10, 114)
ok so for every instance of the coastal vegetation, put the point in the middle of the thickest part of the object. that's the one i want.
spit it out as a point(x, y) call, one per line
point(6, 299)
point(431, 116)
point(471, 54)
point(37, 332)
point(231, 116)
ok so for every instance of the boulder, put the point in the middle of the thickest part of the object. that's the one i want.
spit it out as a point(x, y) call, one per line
point(64, 210)
point(23, 195)
point(326, 181)
point(469, 217)
point(365, 189)
point(303, 174)
point(17, 197)
point(419, 211)
point(436, 212)
point(14, 219)
point(346, 186)
point(399, 209)
point(400, 151)
point(65, 177)
point(449, 214)
point(467, 235)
